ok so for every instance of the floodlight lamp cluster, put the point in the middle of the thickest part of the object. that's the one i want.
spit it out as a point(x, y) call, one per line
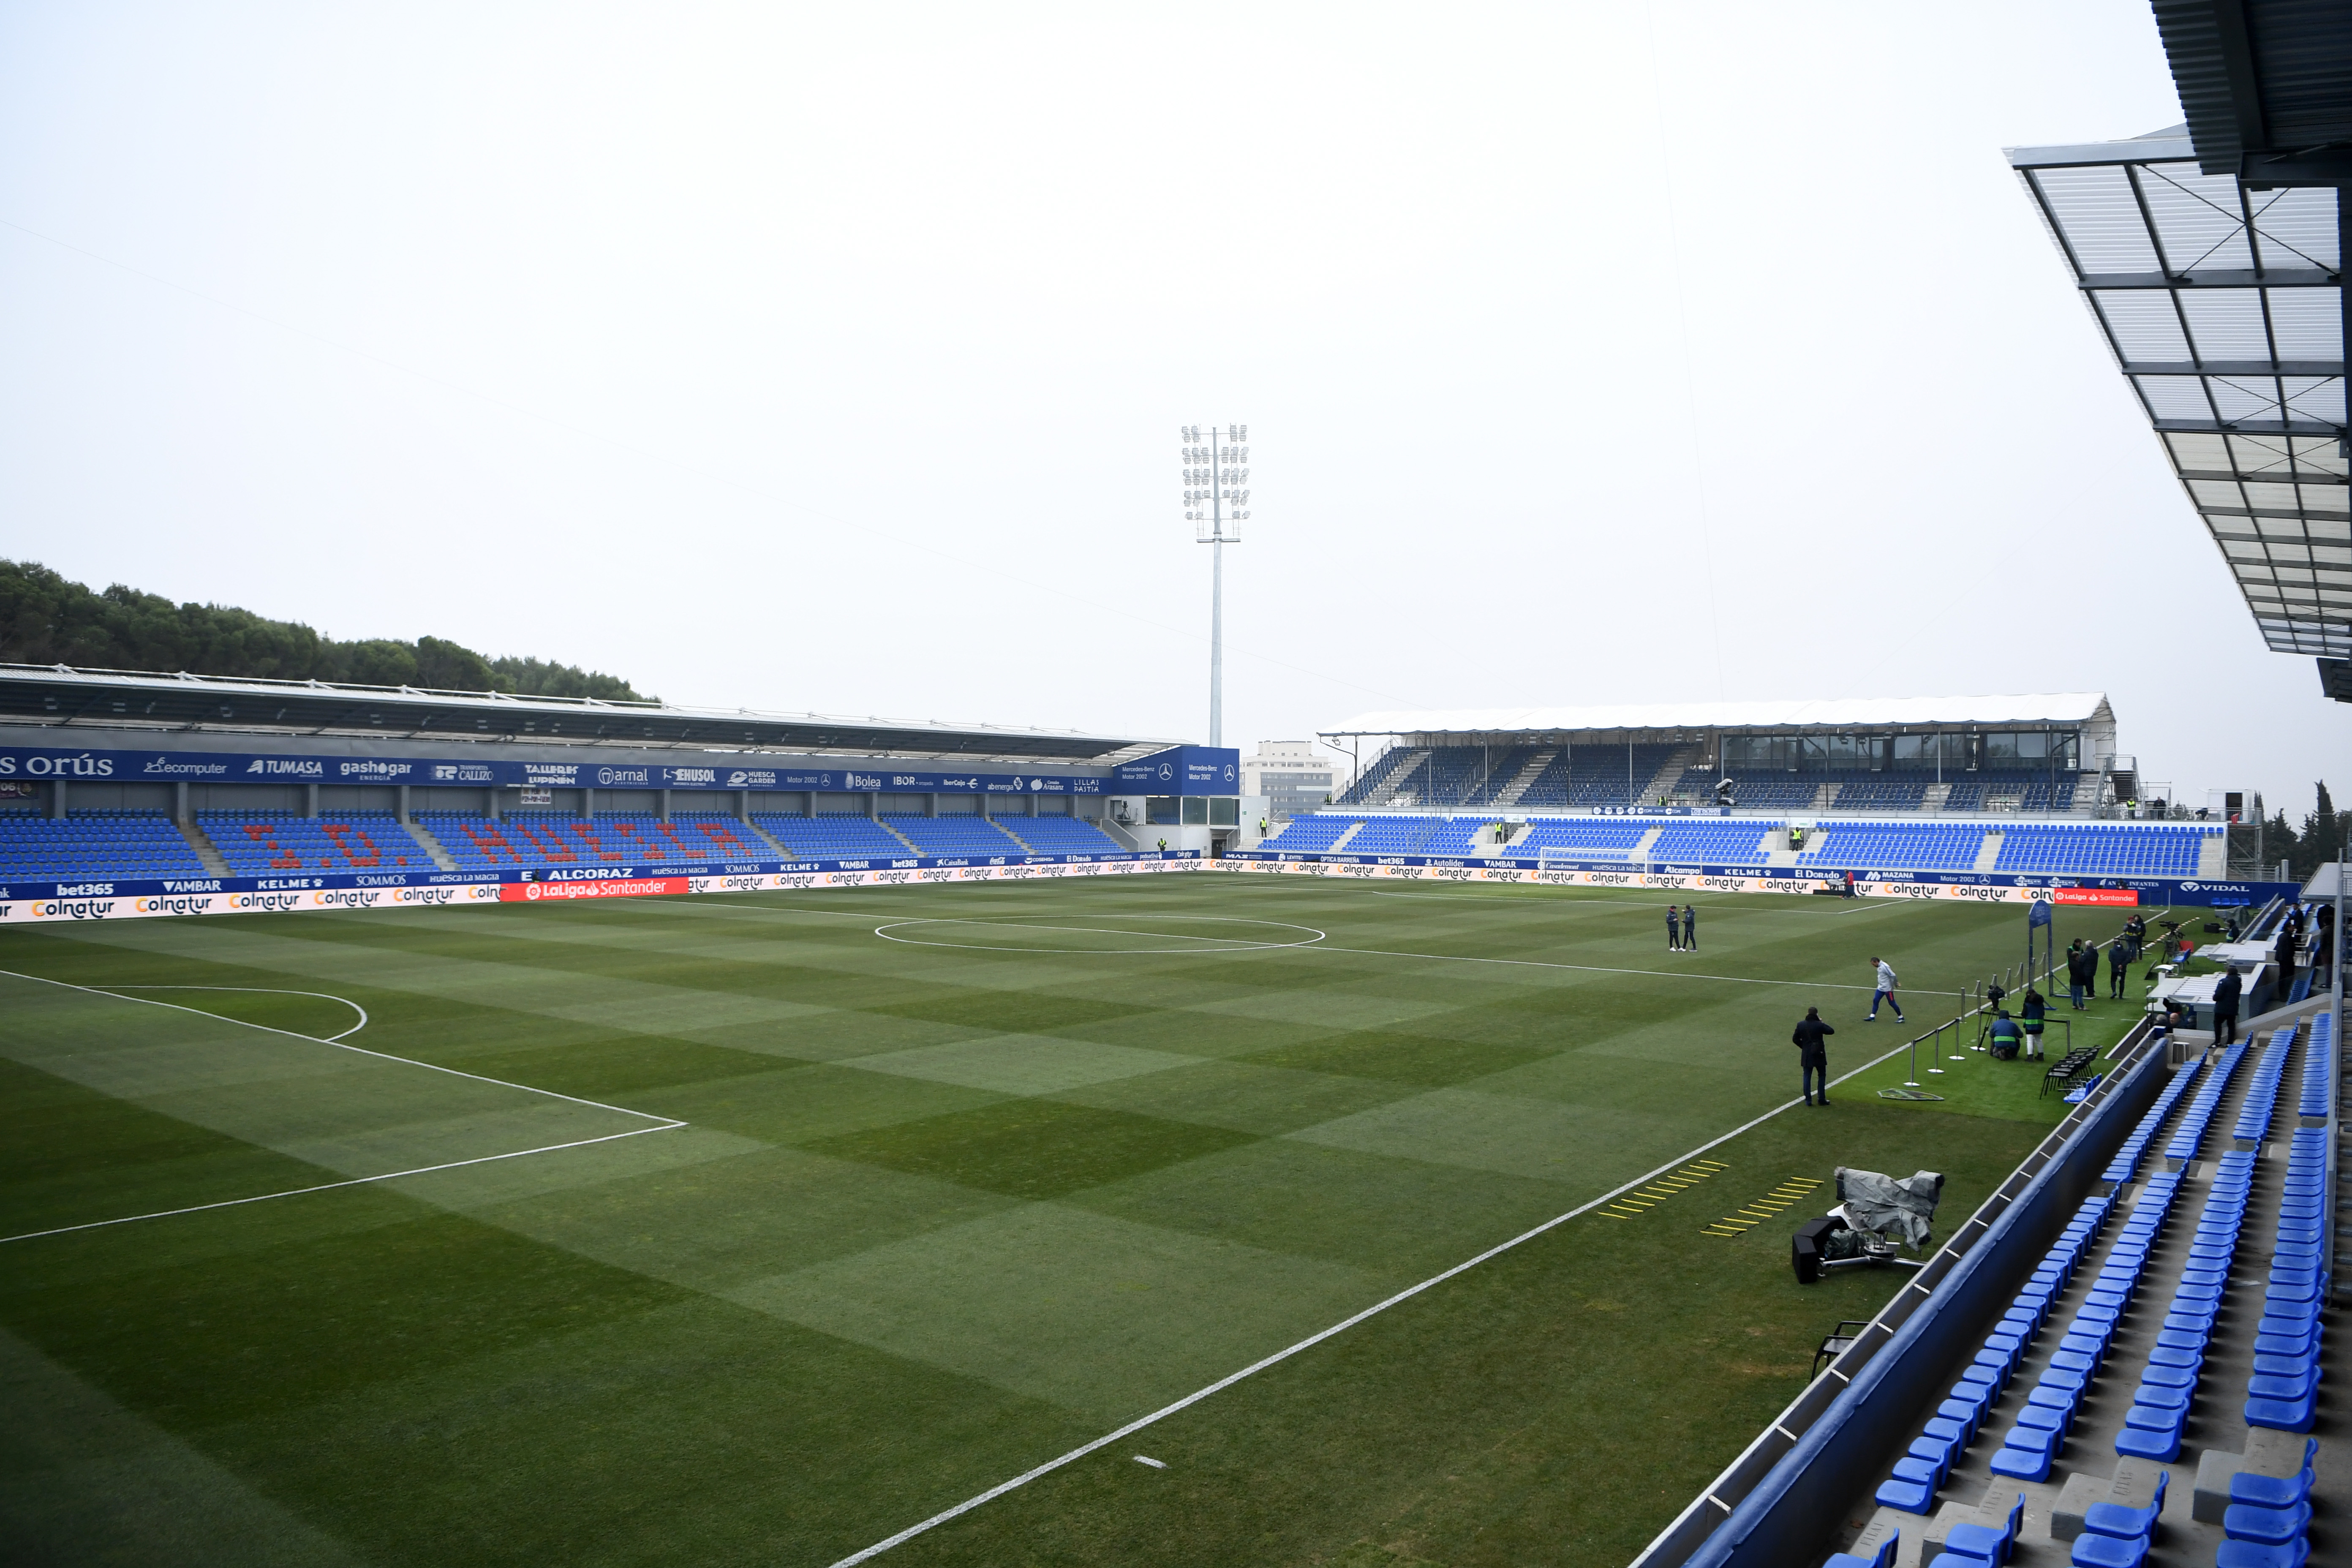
point(1215, 475)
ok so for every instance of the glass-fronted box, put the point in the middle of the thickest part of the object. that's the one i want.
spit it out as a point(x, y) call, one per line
point(1193, 810)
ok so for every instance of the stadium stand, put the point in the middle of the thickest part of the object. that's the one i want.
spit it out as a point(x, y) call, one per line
point(842, 835)
point(2153, 1313)
point(1589, 777)
point(962, 833)
point(713, 835)
point(1061, 835)
point(2102, 849)
point(544, 841)
point(1737, 842)
point(1447, 778)
point(1924, 846)
point(255, 843)
point(1882, 792)
point(1757, 792)
point(1394, 835)
point(1310, 835)
point(1507, 765)
point(1599, 839)
point(1994, 790)
point(1455, 836)
point(1369, 782)
point(2073, 848)
point(127, 844)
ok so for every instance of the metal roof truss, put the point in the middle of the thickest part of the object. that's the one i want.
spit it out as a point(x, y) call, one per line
point(2224, 307)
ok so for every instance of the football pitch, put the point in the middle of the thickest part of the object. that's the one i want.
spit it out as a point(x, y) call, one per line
point(761, 1229)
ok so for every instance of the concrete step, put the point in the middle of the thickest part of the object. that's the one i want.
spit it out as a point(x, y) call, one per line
point(441, 858)
point(761, 837)
point(1989, 852)
point(1525, 777)
point(206, 852)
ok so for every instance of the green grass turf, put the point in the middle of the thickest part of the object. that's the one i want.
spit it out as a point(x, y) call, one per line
point(951, 1200)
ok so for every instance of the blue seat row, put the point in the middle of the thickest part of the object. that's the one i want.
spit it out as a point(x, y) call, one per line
point(2032, 1441)
point(1922, 1468)
point(2189, 1136)
point(2268, 1520)
point(2319, 1072)
point(2253, 1123)
point(2167, 1383)
point(2126, 1161)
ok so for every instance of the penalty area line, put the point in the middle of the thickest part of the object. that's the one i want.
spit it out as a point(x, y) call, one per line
point(330, 1186)
point(1138, 1424)
point(337, 1042)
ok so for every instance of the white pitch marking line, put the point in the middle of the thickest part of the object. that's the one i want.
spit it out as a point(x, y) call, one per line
point(1312, 1340)
point(338, 1044)
point(1233, 944)
point(1594, 968)
point(1147, 1459)
point(1322, 947)
point(329, 1187)
point(1565, 900)
point(259, 990)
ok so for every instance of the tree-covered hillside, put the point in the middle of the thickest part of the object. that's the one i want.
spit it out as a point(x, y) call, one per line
point(43, 619)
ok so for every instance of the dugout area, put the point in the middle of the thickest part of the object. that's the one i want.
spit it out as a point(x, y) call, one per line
point(833, 1231)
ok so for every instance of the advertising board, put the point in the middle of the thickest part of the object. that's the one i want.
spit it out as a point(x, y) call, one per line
point(34, 765)
point(100, 901)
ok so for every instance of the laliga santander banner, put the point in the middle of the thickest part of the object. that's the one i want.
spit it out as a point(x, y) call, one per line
point(643, 887)
point(151, 906)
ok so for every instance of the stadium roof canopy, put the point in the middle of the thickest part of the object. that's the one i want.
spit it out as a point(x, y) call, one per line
point(2211, 255)
point(2224, 307)
point(60, 696)
point(2056, 711)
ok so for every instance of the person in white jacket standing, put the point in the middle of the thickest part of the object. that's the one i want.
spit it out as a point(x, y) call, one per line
point(1885, 992)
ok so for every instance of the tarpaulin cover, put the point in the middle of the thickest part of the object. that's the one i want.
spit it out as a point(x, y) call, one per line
point(1881, 1203)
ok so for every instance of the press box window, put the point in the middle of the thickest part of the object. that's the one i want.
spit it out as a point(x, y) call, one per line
point(1163, 809)
point(1196, 811)
point(1224, 811)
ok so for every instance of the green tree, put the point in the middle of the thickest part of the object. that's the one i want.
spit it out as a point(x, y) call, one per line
point(2321, 837)
point(45, 619)
point(538, 678)
point(2279, 843)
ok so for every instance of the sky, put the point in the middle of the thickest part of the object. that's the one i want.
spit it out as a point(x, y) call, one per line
point(833, 358)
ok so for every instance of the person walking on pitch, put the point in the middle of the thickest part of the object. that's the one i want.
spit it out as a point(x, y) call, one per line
point(2119, 966)
point(1674, 930)
point(1813, 1055)
point(1690, 928)
point(1885, 992)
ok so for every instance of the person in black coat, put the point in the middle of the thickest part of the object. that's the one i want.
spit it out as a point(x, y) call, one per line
point(2225, 1008)
point(1674, 930)
point(1690, 928)
point(1813, 1056)
point(2081, 971)
point(2118, 967)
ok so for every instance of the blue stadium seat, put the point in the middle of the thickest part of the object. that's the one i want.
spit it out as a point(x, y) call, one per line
point(256, 843)
point(130, 845)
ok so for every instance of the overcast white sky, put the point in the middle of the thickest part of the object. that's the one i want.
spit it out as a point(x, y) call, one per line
point(832, 357)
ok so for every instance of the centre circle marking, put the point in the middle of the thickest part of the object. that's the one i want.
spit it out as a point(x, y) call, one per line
point(1197, 943)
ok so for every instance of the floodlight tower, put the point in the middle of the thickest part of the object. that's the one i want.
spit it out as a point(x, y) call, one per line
point(1216, 503)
